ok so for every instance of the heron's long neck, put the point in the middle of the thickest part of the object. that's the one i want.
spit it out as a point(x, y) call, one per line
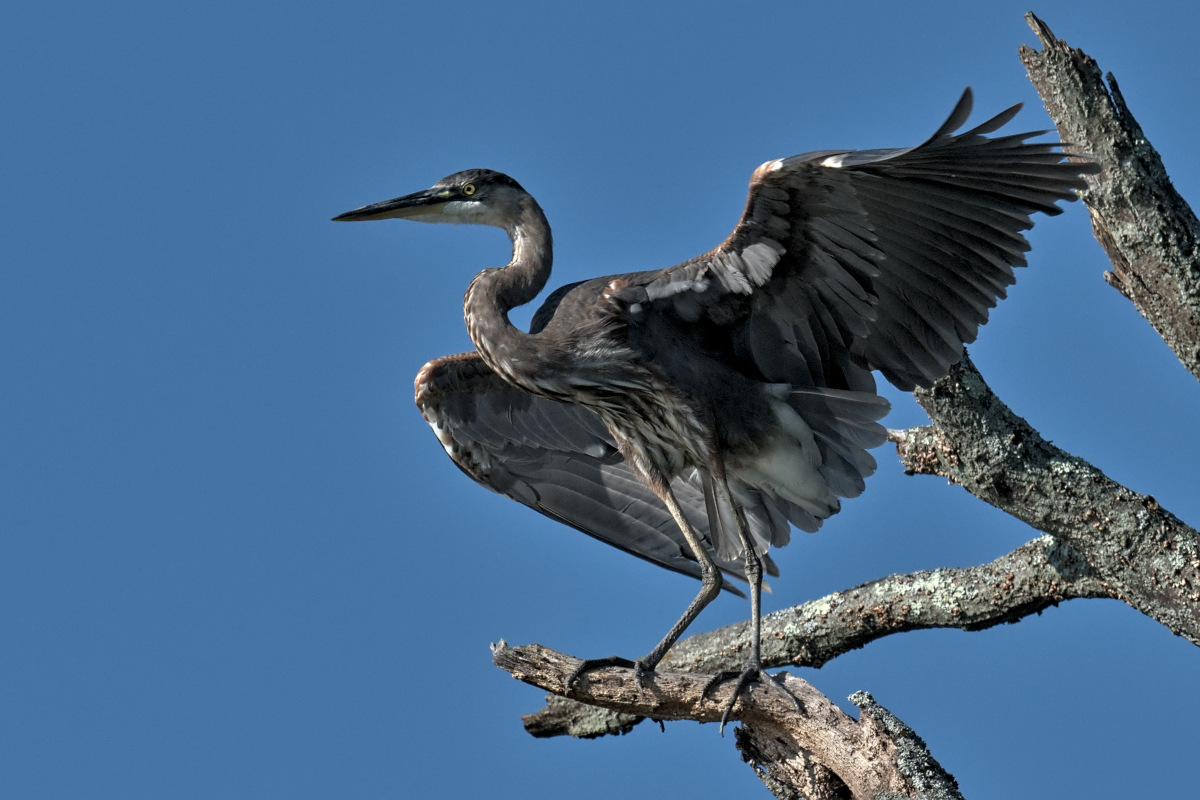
point(495, 292)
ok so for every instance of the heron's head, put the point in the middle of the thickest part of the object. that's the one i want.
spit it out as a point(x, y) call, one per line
point(473, 196)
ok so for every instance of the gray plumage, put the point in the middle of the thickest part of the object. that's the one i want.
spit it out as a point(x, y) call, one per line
point(687, 415)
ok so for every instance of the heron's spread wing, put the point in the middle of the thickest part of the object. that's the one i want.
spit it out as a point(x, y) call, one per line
point(560, 460)
point(846, 261)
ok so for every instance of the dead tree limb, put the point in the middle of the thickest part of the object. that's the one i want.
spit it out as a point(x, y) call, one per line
point(817, 752)
point(1035, 576)
point(1150, 233)
point(1139, 551)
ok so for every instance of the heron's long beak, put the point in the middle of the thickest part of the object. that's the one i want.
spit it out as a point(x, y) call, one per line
point(412, 205)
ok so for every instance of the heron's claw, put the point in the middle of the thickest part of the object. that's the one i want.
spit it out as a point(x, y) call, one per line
point(753, 672)
point(640, 670)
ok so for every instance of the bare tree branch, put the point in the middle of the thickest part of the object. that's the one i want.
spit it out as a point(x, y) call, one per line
point(1138, 550)
point(1035, 576)
point(1149, 232)
point(818, 752)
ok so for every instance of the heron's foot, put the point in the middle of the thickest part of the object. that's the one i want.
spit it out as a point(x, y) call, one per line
point(640, 669)
point(753, 672)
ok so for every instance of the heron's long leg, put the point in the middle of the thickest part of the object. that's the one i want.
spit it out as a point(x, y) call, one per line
point(710, 587)
point(710, 577)
point(753, 562)
point(753, 670)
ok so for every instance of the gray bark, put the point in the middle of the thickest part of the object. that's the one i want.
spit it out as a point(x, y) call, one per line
point(1148, 231)
point(1035, 576)
point(813, 751)
point(1136, 549)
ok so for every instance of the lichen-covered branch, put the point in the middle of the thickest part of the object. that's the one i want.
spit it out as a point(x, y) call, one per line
point(1139, 551)
point(1035, 576)
point(816, 751)
point(1150, 233)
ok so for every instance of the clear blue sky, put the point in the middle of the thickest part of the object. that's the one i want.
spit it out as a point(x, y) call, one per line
point(235, 563)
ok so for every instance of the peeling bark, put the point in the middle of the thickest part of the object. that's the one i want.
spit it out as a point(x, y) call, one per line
point(1030, 579)
point(1149, 232)
point(1137, 550)
point(815, 752)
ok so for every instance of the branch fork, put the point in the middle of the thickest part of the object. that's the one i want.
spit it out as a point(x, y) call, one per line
point(817, 745)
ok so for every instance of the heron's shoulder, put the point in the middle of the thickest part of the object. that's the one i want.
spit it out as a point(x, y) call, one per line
point(575, 303)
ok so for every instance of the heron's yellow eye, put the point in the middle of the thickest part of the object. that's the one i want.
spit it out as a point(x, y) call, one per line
point(469, 189)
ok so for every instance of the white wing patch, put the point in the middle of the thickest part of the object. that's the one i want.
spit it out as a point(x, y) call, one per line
point(760, 259)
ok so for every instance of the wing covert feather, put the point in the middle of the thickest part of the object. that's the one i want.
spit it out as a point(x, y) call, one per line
point(872, 259)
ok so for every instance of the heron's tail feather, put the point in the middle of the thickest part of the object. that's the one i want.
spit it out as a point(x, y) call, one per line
point(845, 425)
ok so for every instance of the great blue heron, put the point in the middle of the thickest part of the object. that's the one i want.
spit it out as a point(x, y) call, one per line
point(687, 415)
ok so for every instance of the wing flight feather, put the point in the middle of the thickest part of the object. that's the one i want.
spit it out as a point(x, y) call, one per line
point(872, 259)
point(559, 459)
